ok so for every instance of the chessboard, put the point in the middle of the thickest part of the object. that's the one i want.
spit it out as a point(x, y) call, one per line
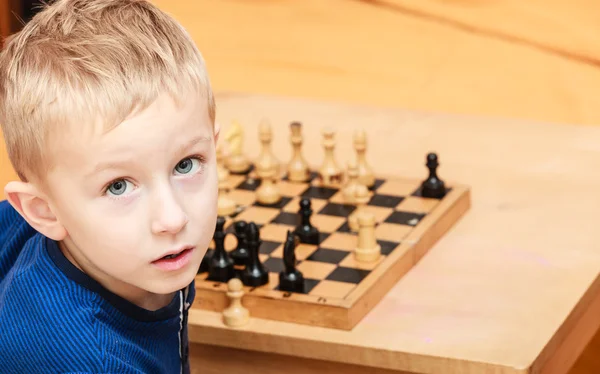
point(338, 253)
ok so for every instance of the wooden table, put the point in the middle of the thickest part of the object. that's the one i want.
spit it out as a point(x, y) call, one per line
point(512, 288)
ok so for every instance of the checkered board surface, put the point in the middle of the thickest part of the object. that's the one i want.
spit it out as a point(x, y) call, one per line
point(334, 280)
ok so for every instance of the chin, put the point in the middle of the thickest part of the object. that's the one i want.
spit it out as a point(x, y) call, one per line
point(175, 283)
point(169, 286)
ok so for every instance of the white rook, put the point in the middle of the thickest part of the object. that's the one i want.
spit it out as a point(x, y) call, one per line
point(367, 249)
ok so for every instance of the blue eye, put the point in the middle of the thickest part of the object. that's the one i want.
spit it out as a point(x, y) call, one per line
point(187, 165)
point(118, 187)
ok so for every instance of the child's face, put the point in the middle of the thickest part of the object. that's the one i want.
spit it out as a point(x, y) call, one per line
point(132, 195)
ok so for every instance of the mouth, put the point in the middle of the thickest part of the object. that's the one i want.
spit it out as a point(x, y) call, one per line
point(175, 260)
point(172, 256)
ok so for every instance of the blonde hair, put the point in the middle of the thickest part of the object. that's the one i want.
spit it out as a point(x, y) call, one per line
point(79, 61)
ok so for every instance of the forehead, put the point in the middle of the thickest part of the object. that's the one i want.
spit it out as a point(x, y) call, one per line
point(161, 127)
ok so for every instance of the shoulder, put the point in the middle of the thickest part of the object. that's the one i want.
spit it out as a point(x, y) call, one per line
point(44, 321)
point(15, 233)
point(50, 323)
point(11, 222)
point(50, 326)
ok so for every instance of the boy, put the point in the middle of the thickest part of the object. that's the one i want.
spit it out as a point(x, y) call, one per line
point(109, 121)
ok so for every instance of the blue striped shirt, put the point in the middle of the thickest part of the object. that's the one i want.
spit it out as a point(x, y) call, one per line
point(56, 319)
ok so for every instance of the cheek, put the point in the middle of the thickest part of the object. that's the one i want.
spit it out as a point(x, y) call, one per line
point(107, 238)
point(201, 208)
point(100, 234)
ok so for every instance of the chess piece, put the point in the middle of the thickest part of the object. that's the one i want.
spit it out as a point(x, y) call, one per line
point(361, 198)
point(330, 173)
point(225, 205)
point(297, 168)
point(235, 315)
point(268, 191)
point(307, 233)
point(236, 162)
point(204, 265)
point(254, 274)
point(220, 268)
point(367, 249)
point(266, 159)
point(240, 253)
point(349, 190)
point(290, 279)
point(365, 174)
point(433, 186)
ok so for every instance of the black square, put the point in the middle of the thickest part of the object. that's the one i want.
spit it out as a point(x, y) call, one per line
point(378, 183)
point(315, 192)
point(345, 228)
point(387, 247)
point(348, 275)
point(248, 184)
point(279, 205)
point(331, 256)
point(274, 265)
point(338, 210)
point(268, 246)
point(418, 192)
point(287, 218)
point(404, 218)
point(386, 201)
point(323, 236)
point(309, 284)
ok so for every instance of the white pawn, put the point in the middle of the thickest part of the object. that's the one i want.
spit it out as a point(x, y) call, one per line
point(298, 167)
point(367, 250)
point(349, 190)
point(266, 159)
point(330, 172)
point(365, 174)
point(268, 191)
point(235, 315)
point(361, 198)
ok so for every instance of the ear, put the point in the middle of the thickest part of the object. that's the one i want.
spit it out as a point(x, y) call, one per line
point(34, 207)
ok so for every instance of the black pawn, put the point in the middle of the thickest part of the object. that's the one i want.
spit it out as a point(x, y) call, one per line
point(290, 279)
point(240, 253)
point(433, 186)
point(220, 266)
point(307, 233)
point(254, 274)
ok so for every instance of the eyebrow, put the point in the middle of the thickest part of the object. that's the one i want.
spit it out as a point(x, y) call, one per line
point(181, 150)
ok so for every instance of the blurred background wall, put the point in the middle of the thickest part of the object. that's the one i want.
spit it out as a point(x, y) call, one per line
point(535, 59)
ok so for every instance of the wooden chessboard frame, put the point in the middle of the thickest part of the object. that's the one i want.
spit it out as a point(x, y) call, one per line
point(344, 313)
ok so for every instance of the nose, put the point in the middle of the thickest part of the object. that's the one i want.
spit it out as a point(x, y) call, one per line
point(169, 216)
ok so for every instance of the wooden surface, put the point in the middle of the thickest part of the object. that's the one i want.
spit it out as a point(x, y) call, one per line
point(526, 59)
point(208, 359)
point(512, 288)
